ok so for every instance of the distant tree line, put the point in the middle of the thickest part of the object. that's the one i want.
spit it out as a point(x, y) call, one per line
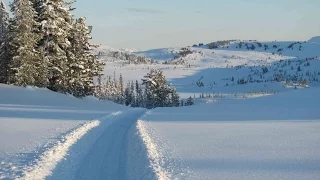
point(128, 57)
point(150, 93)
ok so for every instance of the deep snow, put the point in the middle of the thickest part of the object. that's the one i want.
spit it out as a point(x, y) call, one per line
point(272, 137)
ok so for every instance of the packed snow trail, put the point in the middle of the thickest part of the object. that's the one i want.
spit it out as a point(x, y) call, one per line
point(101, 154)
point(96, 150)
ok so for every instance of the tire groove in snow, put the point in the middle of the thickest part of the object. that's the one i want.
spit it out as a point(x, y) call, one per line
point(50, 158)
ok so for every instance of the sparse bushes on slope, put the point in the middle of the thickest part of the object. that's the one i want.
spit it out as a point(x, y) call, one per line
point(128, 57)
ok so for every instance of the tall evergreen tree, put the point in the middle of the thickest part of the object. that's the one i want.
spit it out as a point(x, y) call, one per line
point(37, 5)
point(175, 102)
point(83, 65)
point(56, 24)
point(148, 96)
point(139, 95)
point(157, 92)
point(26, 62)
point(5, 54)
point(128, 95)
point(133, 94)
point(4, 18)
point(121, 90)
point(189, 102)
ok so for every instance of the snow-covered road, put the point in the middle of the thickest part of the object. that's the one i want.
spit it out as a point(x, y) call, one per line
point(47, 135)
point(96, 150)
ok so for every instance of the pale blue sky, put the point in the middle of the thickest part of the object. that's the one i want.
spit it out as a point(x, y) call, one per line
point(148, 24)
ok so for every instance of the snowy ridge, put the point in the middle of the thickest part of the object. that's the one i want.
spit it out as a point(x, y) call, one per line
point(315, 39)
point(144, 160)
point(137, 160)
point(153, 154)
point(48, 161)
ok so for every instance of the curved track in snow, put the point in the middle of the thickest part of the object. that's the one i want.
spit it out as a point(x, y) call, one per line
point(95, 150)
point(107, 157)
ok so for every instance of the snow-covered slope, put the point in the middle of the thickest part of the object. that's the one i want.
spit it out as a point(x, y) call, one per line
point(273, 137)
point(259, 119)
point(235, 67)
point(164, 54)
point(39, 126)
point(107, 54)
point(315, 39)
point(272, 51)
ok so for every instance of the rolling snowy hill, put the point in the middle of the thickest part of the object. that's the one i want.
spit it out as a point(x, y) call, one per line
point(315, 39)
point(232, 67)
point(256, 117)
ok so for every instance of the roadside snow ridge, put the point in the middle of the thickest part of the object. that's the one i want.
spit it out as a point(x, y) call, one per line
point(153, 154)
point(48, 161)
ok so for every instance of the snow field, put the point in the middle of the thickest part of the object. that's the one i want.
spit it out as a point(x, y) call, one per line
point(271, 137)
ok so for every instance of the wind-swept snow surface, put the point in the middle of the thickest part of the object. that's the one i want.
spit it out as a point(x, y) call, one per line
point(272, 137)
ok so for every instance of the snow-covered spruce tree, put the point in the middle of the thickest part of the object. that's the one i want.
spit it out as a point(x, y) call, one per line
point(157, 92)
point(121, 90)
point(98, 87)
point(189, 102)
point(139, 95)
point(148, 97)
point(175, 102)
point(4, 18)
point(128, 94)
point(56, 24)
point(82, 65)
point(37, 5)
point(27, 63)
point(110, 90)
point(4, 44)
point(134, 99)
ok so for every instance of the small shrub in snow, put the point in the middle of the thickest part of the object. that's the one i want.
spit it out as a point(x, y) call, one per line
point(189, 102)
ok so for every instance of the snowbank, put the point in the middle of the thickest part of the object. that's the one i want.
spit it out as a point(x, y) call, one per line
point(138, 161)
